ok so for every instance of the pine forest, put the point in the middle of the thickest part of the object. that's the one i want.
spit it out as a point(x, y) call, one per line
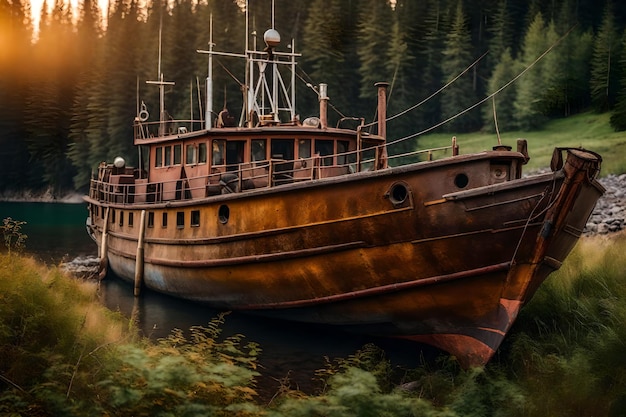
point(71, 87)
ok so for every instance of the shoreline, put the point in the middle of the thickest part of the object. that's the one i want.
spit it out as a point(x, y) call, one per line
point(45, 197)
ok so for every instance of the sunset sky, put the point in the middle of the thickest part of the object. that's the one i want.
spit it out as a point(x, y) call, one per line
point(35, 6)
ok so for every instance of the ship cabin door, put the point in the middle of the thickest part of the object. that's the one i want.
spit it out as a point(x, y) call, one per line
point(283, 149)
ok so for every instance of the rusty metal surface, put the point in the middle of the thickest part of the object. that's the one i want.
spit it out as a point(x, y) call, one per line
point(435, 264)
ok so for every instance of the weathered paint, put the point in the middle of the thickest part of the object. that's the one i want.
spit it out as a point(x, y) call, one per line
point(442, 264)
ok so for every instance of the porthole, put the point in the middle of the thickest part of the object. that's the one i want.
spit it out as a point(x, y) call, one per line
point(461, 180)
point(223, 214)
point(398, 194)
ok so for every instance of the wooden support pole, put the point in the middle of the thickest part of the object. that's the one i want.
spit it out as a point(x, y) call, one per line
point(139, 258)
point(104, 262)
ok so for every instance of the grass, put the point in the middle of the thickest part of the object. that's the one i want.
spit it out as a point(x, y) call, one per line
point(588, 130)
point(62, 353)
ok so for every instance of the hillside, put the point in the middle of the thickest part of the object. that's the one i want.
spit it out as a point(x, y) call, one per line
point(588, 130)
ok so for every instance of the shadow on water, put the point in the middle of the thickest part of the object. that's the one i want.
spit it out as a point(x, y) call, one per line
point(288, 349)
point(56, 233)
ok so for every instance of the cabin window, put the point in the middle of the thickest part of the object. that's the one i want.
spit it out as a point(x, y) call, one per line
point(164, 220)
point(131, 219)
point(259, 150)
point(234, 154)
point(342, 149)
point(218, 152)
point(178, 150)
point(180, 219)
point(112, 215)
point(325, 147)
point(192, 157)
point(121, 218)
point(168, 156)
point(304, 148)
point(150, 219)
point(282, 149)
point(202, 153)
point(195, 218)
point(158, 160)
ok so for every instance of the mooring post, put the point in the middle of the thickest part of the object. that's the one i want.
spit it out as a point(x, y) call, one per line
point(139, 257)
point(102, 269)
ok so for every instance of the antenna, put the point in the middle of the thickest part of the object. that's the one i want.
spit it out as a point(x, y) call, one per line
point(209, 80)
point(161, 85)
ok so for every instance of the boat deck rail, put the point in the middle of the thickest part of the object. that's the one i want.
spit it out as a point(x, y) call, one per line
point(146, 130)
point(131, 186)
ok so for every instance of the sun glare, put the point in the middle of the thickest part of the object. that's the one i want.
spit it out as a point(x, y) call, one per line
point(37, 5)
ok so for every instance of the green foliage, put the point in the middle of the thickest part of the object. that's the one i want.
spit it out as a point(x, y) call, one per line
point(14, 239)
point(460, 95)
point(504, 71)
point(62, 353)
point(618, 116)
point(182, 376)
point(530, 87)
point(70, 94)
point(372, 45)
point(563, 357)
point(571, 336)
point(604, 71)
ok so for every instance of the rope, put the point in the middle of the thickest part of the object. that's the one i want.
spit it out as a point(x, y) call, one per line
point(490, 95)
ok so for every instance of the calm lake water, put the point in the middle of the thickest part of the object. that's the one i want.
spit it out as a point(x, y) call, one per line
point(56, 233)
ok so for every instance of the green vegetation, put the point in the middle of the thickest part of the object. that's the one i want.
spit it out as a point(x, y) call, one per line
point(588, 130)
point(14, 239)
point(69, 89)
point(62, 353)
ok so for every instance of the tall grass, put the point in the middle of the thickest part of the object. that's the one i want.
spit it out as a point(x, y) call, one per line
point(63, 354)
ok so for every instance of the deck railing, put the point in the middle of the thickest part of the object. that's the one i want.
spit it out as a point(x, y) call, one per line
point(128, 186)
point(146, 130)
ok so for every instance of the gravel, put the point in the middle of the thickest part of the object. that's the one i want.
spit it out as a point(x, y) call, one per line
point(608, 216)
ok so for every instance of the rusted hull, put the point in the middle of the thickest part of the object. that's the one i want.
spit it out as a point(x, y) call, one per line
point(401, 252)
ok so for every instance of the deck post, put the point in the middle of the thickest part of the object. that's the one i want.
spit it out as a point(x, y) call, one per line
point(139, 257)
point(102, 268)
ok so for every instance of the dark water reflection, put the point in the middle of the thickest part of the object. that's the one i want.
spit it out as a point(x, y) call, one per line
point(56, 233)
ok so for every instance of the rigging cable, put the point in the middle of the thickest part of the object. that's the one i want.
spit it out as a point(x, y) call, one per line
point(312, 87)
point(532, 64)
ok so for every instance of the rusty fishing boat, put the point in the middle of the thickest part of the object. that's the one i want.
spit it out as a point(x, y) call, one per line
point(304, 221)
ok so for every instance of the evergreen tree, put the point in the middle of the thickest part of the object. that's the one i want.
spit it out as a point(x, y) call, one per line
point(89, 45)
point(460, 95)
point(618, 116)
point(553, 97)
point(505, 71)
point(531, 86)
point(50, 100)
point(411, 32)
point(604, 73)
point(122, 61)
point(429, 58)
point(373, 43)
point(401, 96)
point(16, 74)
point(574, 55)
point(501, 33)
point(327, 56)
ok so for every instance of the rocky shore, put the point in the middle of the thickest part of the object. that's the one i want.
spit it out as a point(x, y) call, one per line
point(610, 212)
